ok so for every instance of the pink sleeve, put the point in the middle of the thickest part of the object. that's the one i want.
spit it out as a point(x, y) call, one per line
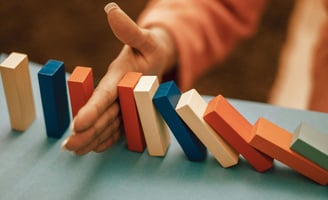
point(204, 31)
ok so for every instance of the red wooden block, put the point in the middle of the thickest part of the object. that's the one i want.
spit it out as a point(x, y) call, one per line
point(275, 141)
point(236, 130)
point(81, 86)
point(133, 130)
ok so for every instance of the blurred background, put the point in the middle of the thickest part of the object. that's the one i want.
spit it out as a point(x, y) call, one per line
point(77, 33)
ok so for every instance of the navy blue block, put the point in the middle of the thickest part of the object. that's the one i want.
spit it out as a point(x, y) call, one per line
point(165, 100)
point(52, 83)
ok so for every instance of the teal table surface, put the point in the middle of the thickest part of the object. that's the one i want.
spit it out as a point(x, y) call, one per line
point(33, 166)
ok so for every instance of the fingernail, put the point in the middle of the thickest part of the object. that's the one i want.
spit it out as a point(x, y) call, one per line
point(110, 6)
point(71, 126)
point(63, 145)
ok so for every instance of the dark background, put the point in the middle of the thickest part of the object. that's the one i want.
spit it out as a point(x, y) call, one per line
point(77, 33)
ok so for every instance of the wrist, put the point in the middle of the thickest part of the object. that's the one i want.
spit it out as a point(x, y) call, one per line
point(168, 48)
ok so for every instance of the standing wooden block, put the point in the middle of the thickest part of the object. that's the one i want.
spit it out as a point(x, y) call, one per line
point(18, 90)
point(80, 85)
point(274, 141)
point(311, 144)
point(191, 108)
point(165, 100)
point(53, 92)
point(236, 130)
point(133, 130)
point(154, 127)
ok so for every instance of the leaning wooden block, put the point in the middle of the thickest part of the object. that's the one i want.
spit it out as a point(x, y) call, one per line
point(274, 141)
point(165, 100)
point(18, 90)
point(53, 92)
point(236, 131)
point(80, 85)
point(154, 127)
point(312, 144)
point(191, 108)
point(133, 130)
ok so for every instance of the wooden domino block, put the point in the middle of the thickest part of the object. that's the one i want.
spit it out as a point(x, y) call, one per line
point(311, 144)
point(53, 92)
point(133, 130)
point(18, 90)
point(275, 141)
point(80, 85)
point(235, 130)
point(154, 127)
point(191, 108)
point(165, 100)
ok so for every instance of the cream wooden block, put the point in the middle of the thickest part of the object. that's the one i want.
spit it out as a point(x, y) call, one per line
point(191, 108)
point(18, 90)
point(155, 129)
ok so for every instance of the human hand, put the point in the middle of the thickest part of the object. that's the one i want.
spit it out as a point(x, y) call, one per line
point(150, 51)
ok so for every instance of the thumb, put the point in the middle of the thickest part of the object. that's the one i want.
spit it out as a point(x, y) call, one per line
point(125, 29)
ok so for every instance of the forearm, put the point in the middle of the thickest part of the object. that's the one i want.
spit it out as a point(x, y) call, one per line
point(203, 32)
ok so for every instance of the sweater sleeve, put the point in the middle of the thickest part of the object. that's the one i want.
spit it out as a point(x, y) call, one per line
point(204, 31)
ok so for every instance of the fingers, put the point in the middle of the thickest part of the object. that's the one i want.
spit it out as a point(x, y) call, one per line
point(108, 137)
point(107, 123)
point(109, 142)
point(104, 95)
point(126, 30)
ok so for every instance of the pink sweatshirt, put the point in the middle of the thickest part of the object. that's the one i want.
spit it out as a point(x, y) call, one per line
point(204, 31)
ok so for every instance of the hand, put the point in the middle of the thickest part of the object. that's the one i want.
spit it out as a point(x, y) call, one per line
point(150, 51)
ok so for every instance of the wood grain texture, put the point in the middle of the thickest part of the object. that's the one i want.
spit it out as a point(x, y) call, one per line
point(18, 90)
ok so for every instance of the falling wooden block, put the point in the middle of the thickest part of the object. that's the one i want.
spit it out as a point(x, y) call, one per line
point(274, 141)
point(18, 90)
point(311, 144)
point(191, 108)
point(133, 130)
point(80, 85)
point(154, 127)
point(165, 100)
point(236, 131)
point(53, 92)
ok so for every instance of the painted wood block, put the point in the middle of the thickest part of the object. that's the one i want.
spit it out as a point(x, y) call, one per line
point(154, 127)
point(275, 141)
point(191, 108)
point(165, 100)
point(235, 130)
point(311, 144)
point(132, 126)
point(81, 86)
point(18, 90)
point(54, 98)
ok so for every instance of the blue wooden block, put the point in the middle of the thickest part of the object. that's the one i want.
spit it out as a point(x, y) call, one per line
point(53, 92)
point(165, 101)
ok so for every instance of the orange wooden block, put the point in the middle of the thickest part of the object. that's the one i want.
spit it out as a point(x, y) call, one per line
point(236, 130)
point(275, 141)
point(81, 86)
point(133, 130)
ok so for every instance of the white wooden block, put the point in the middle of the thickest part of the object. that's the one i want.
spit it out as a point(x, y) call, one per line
point(18, 90)
point(155, 129)
point(191, 108)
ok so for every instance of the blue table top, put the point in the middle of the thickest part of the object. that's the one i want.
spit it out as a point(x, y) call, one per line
point(34, 166)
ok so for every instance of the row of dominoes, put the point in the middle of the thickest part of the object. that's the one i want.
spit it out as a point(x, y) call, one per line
point(150, 109)
point(52, 83)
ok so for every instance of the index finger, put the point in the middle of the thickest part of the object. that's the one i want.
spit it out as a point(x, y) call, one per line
point(104, 95)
